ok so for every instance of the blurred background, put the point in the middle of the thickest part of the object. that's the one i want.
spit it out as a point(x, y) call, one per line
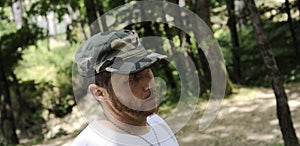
point(38, 40)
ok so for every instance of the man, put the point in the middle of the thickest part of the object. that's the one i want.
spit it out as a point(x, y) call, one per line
point(116, 68)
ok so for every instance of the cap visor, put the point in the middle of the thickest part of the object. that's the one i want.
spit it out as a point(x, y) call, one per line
point(135, 64)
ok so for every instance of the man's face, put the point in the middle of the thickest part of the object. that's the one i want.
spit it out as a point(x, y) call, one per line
point(136, 91)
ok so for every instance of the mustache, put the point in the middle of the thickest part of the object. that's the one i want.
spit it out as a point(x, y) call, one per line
point(152, 94)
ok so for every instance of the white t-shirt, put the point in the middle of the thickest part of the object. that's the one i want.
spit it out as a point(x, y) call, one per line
point(96, 134)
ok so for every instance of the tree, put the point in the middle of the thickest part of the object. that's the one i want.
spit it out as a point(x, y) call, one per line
point(51, 28)
point(11, 47)
point(7, 124)
point(100, 9)
point(51, 25)
point(17, 12)
point(283, 111)
point(234, 40)
point(92, 16)
point(291, 25)
point(240, 8)
point(202, 9)
point(298, 5)
point(10, 55)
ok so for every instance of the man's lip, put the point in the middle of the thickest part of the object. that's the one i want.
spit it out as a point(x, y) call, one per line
point(152, 94)
point(152, 97)
point(152, 101)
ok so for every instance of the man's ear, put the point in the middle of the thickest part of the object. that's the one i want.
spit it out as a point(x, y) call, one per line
point(99, 93)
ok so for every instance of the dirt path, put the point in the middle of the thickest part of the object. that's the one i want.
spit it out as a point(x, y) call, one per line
point(247, 118)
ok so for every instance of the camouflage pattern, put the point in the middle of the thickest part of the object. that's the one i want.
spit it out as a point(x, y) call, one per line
point(114, 51)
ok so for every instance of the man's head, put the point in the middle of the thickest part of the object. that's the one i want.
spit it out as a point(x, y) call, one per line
point(119, 66)
point(114, 51)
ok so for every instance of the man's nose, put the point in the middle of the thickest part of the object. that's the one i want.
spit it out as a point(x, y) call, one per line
point(150, 85)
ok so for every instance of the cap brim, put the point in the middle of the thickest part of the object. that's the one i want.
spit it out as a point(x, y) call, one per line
point(134, 64)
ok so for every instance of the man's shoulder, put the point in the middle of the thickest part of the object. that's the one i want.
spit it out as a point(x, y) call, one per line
point(88, 136)
point(156, 121)
point(162, 129)
point(155, 117)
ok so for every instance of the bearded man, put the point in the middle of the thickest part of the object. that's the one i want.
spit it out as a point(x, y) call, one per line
point(117, 71)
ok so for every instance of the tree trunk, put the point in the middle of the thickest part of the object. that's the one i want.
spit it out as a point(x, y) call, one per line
point(47, 34)
point(76, 15)
point(202, 9)
point(92, 16)
point(291, 25)
point(83, 30)
point(234, 41)
point(283, 111)
point(17, 13)
point(183, 40)
point(51, 25)
point(103, 19)
point(240, 8)
point(21, 108)
point(7, 125)
point(298, 5)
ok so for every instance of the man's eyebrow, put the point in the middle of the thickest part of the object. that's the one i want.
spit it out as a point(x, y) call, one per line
point(125, 79)
point(132, 74)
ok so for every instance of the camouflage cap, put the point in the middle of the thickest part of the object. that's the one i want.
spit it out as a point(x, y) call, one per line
point(114, 51)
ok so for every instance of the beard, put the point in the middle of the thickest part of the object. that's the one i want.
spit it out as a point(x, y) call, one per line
point(117, 104)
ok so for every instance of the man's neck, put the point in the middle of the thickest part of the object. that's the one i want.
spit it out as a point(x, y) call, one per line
point(128, 123)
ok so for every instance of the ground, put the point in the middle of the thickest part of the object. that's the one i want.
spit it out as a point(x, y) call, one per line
point(246, 118)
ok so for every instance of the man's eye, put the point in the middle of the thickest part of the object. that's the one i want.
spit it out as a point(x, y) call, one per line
point(135, 77)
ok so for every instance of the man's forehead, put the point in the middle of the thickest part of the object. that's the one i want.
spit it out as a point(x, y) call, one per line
point(126, 76)
point(120, 76)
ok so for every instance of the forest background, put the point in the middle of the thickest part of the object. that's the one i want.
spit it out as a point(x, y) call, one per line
point(38, 40)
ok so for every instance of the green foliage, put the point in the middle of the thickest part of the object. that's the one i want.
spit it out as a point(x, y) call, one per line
point(45, 6)
point(5, 24)
point(275, 144)
point(108, 4)
point(11, 50)
point(166, 109)
point(169, 75)
point(45, 75)
point(53, 68)
point(253, 72)
point(13, 42)
point(60, 133)
point(284, 51)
